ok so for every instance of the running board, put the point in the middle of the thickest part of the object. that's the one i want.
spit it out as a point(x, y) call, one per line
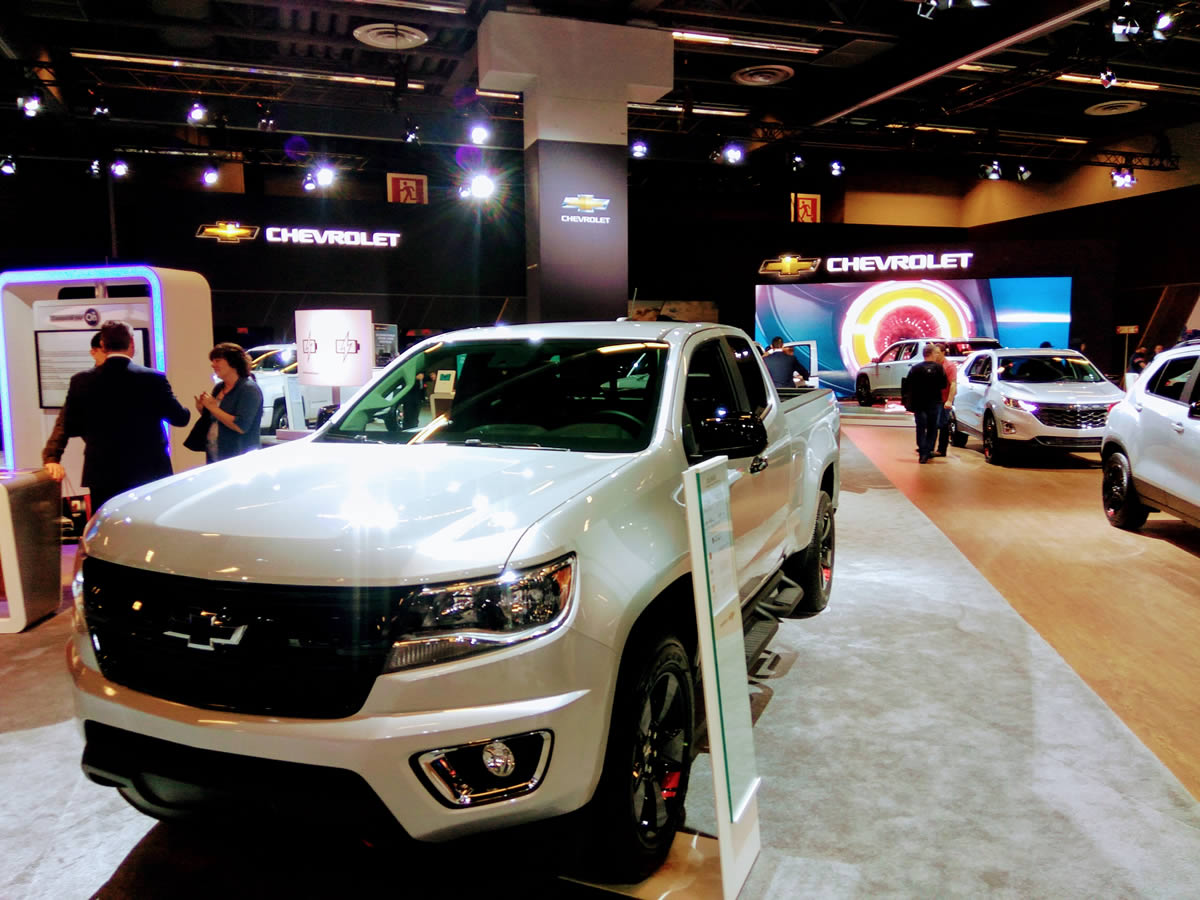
point(760, 632)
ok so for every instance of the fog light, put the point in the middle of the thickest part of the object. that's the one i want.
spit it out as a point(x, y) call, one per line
point(1009, 428)
point(498, 759)
point(485, 771)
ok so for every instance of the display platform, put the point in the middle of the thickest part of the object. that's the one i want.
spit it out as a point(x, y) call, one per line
point(885, 414)
point(692, 870)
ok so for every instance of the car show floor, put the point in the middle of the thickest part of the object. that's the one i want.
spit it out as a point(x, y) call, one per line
point(919, 738)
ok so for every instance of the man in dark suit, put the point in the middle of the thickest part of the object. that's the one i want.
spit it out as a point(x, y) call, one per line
point(118, 409)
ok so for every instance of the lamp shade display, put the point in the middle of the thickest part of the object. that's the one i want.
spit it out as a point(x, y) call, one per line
point(334, 347)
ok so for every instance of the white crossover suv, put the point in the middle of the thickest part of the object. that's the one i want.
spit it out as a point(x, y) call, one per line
point(1151, 447)
point(1035, 397)
point(882, 377)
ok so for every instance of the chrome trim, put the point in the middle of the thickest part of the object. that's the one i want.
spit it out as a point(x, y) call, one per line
point(441, 776)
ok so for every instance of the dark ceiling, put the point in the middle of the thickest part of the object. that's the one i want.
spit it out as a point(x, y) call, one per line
point(896, 81)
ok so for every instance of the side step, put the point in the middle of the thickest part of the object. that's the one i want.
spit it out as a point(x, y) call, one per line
point(758, 634)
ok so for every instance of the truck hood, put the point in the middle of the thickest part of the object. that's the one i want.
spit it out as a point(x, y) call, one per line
point(1066, 392)
point(317, 513)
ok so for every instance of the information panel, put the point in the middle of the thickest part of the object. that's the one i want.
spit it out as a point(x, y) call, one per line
point(723, 668)
point(63, 353)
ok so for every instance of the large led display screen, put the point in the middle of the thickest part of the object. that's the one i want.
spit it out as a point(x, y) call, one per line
point(854, 322)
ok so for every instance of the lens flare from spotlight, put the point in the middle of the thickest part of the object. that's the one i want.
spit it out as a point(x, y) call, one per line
point(296, 148)
point(211, 176)
point(733, 154)
point(31, 105)
point(482, 187)
point(325, 176)
point(197, 113)
point(119, 168)
point(639, 149)
point(480, 133)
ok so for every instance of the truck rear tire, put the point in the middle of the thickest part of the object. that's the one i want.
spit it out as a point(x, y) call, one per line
point(815, 572)
point(631, 820)
point(279, 417)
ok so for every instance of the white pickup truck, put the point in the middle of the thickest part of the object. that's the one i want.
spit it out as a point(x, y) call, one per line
point(479, 620)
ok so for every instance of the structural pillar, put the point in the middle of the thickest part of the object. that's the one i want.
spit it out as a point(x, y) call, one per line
point(577, 79)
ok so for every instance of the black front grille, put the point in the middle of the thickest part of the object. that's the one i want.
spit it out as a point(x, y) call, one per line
point(1072, 443)
point(265, 649)
point(1067, 415)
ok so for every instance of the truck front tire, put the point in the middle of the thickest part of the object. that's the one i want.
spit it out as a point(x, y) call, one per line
point(631, 821)
point(1122, 505)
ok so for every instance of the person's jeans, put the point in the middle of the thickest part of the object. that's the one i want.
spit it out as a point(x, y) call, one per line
point(927, 418)
point(943, 441)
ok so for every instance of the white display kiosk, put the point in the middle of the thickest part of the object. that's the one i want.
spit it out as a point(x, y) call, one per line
point(46, 320)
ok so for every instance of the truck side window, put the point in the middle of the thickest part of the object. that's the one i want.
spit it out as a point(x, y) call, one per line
point(907, 351)
point(709, 392)
point(1173, 377)
point(889, 355)
point(751, 372)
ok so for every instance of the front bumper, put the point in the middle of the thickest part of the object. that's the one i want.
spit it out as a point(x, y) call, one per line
point(197, 760)
point(1018, 425)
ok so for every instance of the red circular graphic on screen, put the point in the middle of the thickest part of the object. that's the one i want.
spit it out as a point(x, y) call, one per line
point(905, 323)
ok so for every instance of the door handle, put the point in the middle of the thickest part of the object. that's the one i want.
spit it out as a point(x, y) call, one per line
point(760, 462)
point(1138, 407)
point(1178, 426)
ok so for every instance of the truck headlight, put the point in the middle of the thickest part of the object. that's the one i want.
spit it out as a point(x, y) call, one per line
point(449, 621)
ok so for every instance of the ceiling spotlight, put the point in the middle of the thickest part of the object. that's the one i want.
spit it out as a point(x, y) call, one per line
point(1123, 177)
point(412, 131)
point(211, 176)
point(266, 121)
point(1108, 78)
point(1164, 26)
point(798, 162)
point(1024, 173)
point(8, 166)
point(480, 133)
point(197, 113)
point(991, 171)
point(325, 175)
point(733, 154)
point(30, 104)
point(119, 168)
point(100, 111)
point(93, 168)
point(310, 181)
point(836, 169)
point(926, 9)
point(479, 186)
point(1124, 26)
point(639, 149)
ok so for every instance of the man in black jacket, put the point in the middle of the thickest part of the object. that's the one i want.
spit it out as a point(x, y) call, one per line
point(118, 409)
point(925, 381)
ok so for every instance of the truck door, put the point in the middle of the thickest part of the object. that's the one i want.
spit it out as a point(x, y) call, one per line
point(968, 406)
point(1170, 440)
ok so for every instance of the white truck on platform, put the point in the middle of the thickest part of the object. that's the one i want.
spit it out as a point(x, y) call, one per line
point(479, 619)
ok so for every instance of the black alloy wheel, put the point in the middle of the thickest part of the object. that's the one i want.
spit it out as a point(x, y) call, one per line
point(862, 391)
point(958, 437)
point(639, 803)
point(1122, 506)
point(993, 447)
point(815, 577)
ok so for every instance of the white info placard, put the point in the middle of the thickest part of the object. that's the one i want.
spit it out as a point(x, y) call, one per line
point(723, 668)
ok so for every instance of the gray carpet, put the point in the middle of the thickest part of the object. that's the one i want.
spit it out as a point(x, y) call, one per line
point(917, 739)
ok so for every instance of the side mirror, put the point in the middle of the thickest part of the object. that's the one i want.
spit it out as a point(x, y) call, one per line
point(1194, 410)
point(735, 437)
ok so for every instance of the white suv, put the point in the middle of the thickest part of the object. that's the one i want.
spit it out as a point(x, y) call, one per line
point(1045, 397)
point(881, 377)
point(1151, 445)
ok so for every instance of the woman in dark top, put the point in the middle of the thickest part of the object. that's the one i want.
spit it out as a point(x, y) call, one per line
point(234, 408)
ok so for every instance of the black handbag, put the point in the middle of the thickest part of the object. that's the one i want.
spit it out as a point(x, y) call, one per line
point(197, 438)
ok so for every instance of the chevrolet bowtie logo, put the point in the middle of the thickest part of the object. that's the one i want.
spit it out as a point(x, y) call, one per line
point(585, 203)
point(789, 266)
point(228, 232)
point(206, 630)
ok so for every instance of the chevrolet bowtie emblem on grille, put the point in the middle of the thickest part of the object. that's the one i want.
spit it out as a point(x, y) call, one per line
point(228, 232)
point(585, 203)
point(789, 266)
point(206, 630)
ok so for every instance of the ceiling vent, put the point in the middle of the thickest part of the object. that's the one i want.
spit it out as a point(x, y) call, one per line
point(763, 76)
point(389, 36)
point(1115, 108)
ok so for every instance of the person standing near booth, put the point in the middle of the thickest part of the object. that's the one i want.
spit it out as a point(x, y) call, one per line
point(118, 409)
point(56, 444)
point(233, 410)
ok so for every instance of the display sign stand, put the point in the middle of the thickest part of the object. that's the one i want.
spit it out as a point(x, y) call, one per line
point(723, 669)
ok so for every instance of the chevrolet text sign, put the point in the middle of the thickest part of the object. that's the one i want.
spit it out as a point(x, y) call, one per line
point(282, 235)
point(908, 262)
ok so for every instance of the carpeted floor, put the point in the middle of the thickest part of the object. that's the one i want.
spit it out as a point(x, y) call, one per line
point(918, 739)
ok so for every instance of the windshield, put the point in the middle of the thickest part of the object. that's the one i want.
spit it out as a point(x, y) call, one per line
point(273, 360)
point(562, 394)
point(966, 348)
point(1046, 369)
